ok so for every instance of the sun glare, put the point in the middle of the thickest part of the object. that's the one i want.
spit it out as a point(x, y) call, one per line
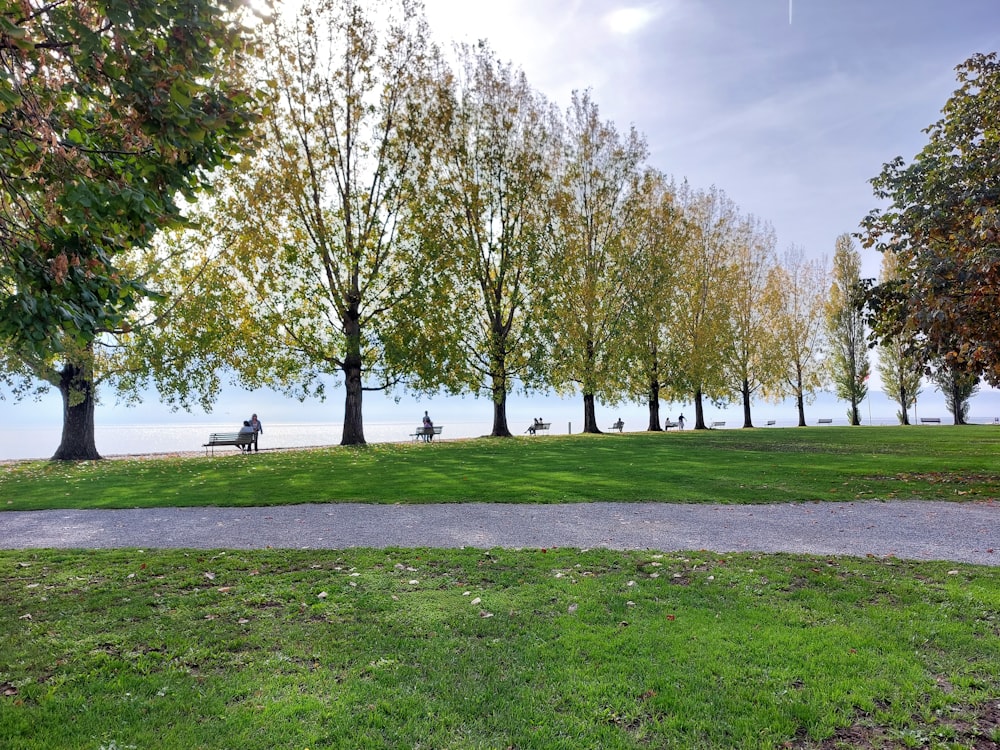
point(628, 20)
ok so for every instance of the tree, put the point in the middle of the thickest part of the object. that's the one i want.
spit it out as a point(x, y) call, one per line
point(849, 365)
point(700, 328)
point(592, 266)
point(958, 386)
point(753, 359)
point(797, 289)
point(312, 225)
point(482, 218)
point(658, 236)
point(109, 109)
point(899, 368)
point(943, 224)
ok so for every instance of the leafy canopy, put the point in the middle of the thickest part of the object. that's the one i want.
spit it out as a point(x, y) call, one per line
point(943, 224)
point(108, 110)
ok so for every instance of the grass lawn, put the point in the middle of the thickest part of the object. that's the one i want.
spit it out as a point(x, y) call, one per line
point(498, 649)
point(725, 466)
point(421, 648)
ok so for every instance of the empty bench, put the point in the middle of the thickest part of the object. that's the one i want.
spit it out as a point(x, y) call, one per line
point(426, 433)
point(242, 440)
point(538, 427)
point(930, 420)
point(718, 424)
point(825, 421)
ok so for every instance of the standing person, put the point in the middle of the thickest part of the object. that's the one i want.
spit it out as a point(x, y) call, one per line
point(680, 422)
point(258, 428)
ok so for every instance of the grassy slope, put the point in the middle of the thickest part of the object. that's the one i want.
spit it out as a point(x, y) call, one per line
point(729, 466)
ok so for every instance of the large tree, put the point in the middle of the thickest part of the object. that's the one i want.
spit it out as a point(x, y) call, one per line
point(846, 328)
point(753, 360)
point(109, 109)
point(943, 223)
point(481, 217)
point(958, 386)
point(311, 227)
point(899, 367)
point(592, 265)
point(701, 311)
point(657, 236)
point(797, 289)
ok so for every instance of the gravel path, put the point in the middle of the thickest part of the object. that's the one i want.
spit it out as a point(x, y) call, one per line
point(960, 532)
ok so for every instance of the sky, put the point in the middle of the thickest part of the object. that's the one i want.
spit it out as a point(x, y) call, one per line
point(789, 107)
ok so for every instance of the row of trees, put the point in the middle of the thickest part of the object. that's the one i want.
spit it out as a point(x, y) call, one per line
point(410, 223)
point(383, 217)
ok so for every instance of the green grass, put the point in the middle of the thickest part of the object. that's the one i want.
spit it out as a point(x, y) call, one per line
point(497, 649)
point(727, 466)
point(107, 650)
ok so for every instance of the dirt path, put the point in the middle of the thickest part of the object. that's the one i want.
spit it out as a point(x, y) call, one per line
point(960, 532)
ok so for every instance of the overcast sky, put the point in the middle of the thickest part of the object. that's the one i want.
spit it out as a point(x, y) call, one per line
point(788, 109)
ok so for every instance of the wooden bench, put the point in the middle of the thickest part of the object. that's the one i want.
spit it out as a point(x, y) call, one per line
point(770, 422)
point(668, 424)
point(242, 440)
point(824, 421)
point(930, 420)
point(718, 424)
point(426, 433)
point(619, 425)
point(538, 427)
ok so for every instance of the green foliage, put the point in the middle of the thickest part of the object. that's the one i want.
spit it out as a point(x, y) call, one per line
point(109, 109)
point(592, 262)
point(753, 466)
point(958, 386)
point(846, 328)
point(309, 229)
point(943, 223)
point(899, 366)
point(700, 327)
point(797, 289)
point(480, 216)
point(490, 648)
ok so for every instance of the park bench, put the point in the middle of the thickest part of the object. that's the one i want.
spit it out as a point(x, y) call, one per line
point(770, 422)
point(668, 424)
point(242, 440)
point(537, 427)
point(426, 433)
point(930, 420)
point(619, 425)
point(718, 424)
point(825, 421)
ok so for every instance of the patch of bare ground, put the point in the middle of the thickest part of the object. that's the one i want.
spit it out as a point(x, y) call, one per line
point(964, 727)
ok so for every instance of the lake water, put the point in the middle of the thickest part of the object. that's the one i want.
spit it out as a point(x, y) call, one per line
point(41, 442)
point(32, 430)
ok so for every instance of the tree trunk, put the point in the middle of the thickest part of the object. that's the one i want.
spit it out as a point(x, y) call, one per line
point(699, 412)
point(590, 415)
point(77, 391)
point(354, 426)
point(747, 422)
point(904, 416)
point(654, 405)
point(800, 403)
point(855, 415)
point(500, 428)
